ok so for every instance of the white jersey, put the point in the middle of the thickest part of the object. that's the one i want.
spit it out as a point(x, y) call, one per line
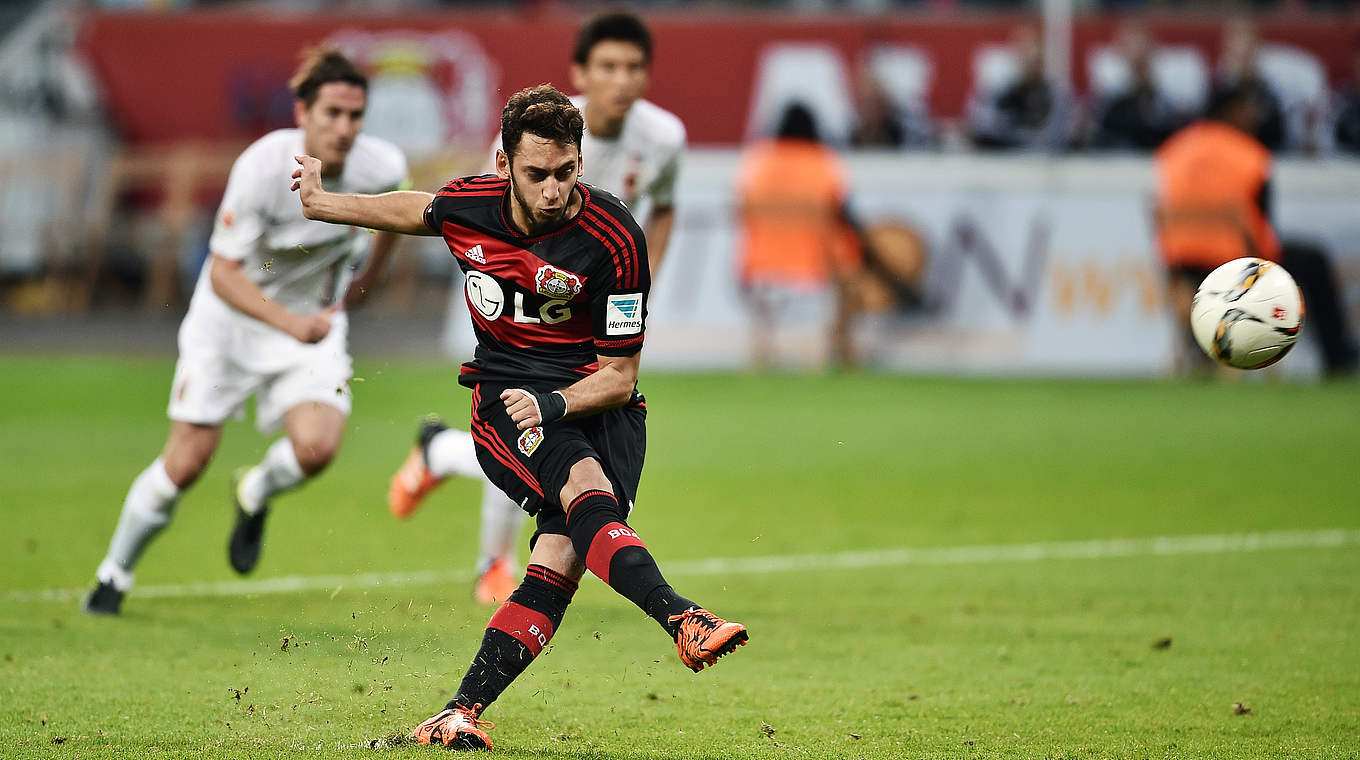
point(641, 164)
point(299, 263)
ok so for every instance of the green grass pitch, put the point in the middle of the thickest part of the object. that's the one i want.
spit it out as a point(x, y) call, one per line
point(983, 657)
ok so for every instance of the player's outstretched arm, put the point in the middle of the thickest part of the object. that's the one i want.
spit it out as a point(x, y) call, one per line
point(608, 387)
point(398, 211)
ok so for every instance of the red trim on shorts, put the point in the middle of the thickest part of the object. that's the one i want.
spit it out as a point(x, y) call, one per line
point(529, 627)
point(607, 541)
point(483, 432)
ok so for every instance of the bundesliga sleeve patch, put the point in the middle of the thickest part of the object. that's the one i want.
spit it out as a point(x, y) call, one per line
point(623, 314)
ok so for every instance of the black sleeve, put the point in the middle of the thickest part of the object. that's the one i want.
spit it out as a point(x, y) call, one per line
point(442, 205)
point(618, 297)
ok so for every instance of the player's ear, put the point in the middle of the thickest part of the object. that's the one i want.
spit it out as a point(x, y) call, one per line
point(299, 112)
point(578, 77)
point(502, 164)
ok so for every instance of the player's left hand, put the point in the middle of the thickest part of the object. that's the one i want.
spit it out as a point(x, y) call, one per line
point(307, 180)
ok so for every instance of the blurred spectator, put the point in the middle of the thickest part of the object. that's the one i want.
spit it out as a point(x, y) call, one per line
point(1141, 117)
point(1347, 129)
point(1214, 205)
point(795, 237)
point(883, 121)
point(877, 124)
point(1029, 112)
point(1239, 69)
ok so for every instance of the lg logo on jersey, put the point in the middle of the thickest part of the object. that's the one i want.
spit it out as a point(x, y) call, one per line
point(484, 294)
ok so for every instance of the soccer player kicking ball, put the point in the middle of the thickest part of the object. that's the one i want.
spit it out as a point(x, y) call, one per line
point(633, 148)
point(267, 320)
point(557, 284)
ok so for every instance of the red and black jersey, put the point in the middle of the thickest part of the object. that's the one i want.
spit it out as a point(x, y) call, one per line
point(544, 307)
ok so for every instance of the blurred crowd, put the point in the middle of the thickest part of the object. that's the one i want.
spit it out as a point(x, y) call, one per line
point(1140, 92)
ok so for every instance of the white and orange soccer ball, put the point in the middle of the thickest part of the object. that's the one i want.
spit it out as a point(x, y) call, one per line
point(1247, 313)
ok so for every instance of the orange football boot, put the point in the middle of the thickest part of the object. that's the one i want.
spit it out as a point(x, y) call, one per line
point(410, 484)
point(496, 584)
point(458, 728)
point(704, 637)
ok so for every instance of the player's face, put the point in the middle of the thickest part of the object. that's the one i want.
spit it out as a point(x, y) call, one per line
point(332, 123)
point(542, 176)
point(613, 76)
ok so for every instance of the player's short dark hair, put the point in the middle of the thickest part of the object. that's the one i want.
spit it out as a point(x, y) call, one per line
point(542, 111)
point(613, 25)
point(1223, 100)
point(797, 123)
point(320, 65)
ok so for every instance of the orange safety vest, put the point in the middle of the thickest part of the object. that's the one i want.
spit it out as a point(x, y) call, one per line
point(1209, 180)
point(791, 193)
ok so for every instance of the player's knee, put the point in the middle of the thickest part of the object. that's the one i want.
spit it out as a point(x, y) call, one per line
point(585, 475)
point(184, 464)
point(314, 453)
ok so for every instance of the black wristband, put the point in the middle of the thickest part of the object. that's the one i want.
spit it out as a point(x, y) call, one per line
point(551, 406)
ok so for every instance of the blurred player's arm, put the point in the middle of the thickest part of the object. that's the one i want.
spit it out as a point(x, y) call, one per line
point(384, 244)
point(233, 286)
point(659, 234)
point(606, 388)
point(663, 211)
point(398, 211)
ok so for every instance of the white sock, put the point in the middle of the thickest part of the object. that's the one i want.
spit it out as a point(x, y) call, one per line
point(501, 522)
point(147, 509)
point(452, 452)
point(276, 473)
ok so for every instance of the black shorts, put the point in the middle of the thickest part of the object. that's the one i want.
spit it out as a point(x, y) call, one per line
point(531, 466)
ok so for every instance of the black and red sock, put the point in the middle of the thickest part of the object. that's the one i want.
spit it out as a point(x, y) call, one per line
point(515, 635)
point(614, 552)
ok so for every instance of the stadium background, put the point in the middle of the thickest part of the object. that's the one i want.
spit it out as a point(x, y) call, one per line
point(1081, 559)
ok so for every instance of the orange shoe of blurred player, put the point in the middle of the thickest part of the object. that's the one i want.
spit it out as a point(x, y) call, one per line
point(496, 584)
point(458, 728)
point(414, 479)
point(704, 637)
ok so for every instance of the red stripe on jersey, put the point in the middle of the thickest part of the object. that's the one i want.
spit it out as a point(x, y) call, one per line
point(623, 262)
point(471, 193)
point(624, 343)
point(615, 245)
point(609, 246)
point(629, 244)
point(529, 627)
point(505, 330)
point(606, 543)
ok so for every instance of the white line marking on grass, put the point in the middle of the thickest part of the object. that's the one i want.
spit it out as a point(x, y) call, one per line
point(1224, 543)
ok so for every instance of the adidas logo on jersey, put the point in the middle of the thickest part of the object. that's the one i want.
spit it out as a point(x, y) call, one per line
point(475, 254)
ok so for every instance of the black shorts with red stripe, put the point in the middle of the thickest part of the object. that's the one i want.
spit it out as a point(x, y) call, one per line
point(531, 466)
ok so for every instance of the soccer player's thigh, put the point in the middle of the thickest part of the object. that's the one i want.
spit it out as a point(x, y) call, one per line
point(619, 438)
point(318, 378)
point(208, 388)
point(530, 466)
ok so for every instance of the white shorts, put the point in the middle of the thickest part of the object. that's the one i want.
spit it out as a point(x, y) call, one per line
point(223, 362)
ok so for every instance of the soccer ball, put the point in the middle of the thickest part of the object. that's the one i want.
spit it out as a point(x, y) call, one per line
point(1247, 313)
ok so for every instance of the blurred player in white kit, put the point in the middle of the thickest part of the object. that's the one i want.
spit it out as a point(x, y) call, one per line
point(632, 148)
point(267, 319)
